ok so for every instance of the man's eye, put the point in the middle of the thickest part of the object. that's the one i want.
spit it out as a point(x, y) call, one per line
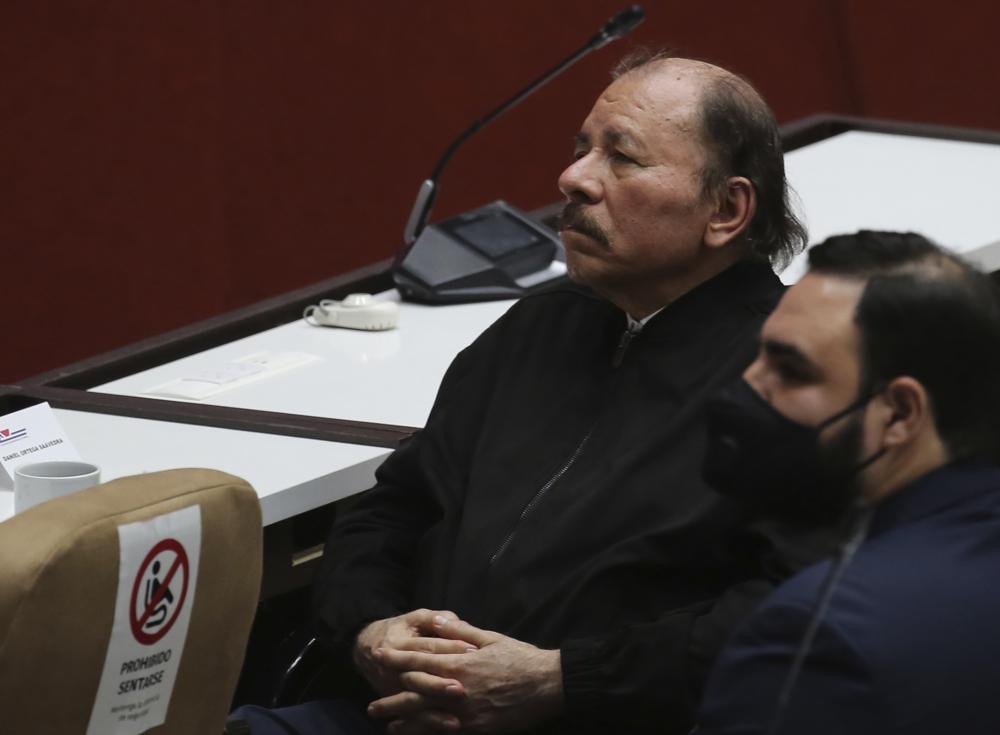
point(792, 373)
point(578, 154)
point(622, 158)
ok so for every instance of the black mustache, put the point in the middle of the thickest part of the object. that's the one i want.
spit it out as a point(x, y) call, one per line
point(573, 216)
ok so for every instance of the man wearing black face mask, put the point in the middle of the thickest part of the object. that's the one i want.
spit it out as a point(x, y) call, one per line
point(767, 459)
point(877, 385)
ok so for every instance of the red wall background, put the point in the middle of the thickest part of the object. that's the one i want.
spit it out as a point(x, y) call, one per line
point(166, 160)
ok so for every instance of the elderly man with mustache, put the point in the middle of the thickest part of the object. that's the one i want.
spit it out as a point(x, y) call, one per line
point(544, 556)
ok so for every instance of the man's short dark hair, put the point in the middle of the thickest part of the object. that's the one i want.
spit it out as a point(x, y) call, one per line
point(741, 134)
point(928, 314)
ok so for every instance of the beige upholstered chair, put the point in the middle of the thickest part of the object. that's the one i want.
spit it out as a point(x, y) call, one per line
point(59, 587)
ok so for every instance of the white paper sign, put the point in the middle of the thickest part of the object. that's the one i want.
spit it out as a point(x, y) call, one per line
point(157, 578)
point(238, 373)
point(31, 435)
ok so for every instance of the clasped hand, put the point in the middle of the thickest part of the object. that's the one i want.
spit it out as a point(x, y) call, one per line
point(437, 673)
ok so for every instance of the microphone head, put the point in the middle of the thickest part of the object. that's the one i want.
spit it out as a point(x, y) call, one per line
point(623, 23)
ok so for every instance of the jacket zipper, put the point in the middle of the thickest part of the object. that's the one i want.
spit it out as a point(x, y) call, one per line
point(627, 336)
point(626, 339)
point(538, 496)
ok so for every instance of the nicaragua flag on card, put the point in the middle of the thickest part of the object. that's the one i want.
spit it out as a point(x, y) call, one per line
point(10, 435)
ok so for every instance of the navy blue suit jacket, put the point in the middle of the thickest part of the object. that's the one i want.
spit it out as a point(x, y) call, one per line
point(911, 641)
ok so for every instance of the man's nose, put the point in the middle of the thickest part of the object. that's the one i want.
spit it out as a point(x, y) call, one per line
point(756, 376)
point(579, 182)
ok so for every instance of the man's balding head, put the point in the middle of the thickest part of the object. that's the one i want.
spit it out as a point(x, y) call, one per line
point(741, 134)
point(666, 190)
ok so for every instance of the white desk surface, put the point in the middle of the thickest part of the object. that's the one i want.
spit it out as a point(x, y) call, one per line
point(945, 189)
point(386, 377)
point(291, 475)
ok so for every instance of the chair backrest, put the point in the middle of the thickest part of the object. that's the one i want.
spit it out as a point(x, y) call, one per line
point(126, 607)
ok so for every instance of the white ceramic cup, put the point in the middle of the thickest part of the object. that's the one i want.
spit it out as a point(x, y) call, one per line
point(40, 481)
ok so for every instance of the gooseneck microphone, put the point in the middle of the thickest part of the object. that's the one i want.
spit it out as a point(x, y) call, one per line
point(620, 25)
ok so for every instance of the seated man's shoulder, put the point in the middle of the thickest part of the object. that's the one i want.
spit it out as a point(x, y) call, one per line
point(566, 297)
point(893, 595)
point(558, 310)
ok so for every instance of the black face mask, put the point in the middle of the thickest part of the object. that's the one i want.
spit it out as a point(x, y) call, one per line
point(765, 459)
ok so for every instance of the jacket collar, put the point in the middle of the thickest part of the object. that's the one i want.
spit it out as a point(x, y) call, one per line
point(937, 491)
point(749, 286)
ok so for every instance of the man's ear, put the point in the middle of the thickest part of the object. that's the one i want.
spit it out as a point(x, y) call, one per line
point(906, 412)
point(735, 208)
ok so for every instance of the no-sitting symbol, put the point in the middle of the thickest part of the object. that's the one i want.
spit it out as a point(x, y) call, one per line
point(159, 591)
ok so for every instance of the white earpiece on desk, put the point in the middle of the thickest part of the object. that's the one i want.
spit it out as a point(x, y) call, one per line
point(357, 311)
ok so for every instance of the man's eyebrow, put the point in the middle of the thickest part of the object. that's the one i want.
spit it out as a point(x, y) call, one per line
point(619, 137)
point(611, 137)
point(788, 353)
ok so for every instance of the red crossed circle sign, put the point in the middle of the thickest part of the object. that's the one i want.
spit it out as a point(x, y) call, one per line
point(141, 609)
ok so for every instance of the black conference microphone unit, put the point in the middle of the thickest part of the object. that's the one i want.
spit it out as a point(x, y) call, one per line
point(496, 251)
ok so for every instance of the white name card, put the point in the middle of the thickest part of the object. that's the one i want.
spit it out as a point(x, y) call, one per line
point(31, 435)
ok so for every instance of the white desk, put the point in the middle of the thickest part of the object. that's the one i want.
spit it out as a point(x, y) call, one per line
point(384, 377)
point(291, 475)
point(380, 377)
point(945, 189)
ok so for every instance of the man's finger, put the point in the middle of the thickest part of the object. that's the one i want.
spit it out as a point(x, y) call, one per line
point(433, 663)
point(423, 619)
point(433, 645)
point(431, 686)
point(463, 631)
point(400, 705)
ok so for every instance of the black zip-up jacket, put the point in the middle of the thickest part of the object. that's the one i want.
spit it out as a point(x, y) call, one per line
point(555, 496)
